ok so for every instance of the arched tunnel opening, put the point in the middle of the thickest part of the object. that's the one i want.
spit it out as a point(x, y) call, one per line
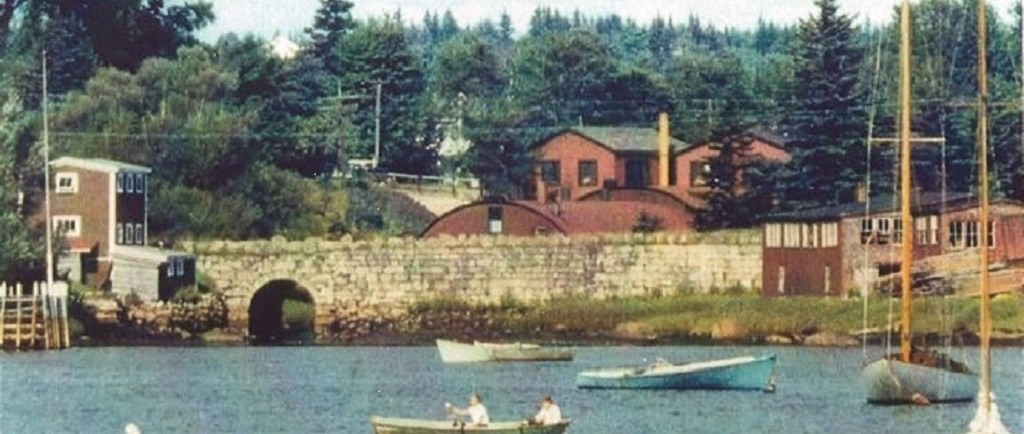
point(282, 312)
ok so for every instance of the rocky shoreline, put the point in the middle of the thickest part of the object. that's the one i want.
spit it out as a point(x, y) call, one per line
point(112, 322)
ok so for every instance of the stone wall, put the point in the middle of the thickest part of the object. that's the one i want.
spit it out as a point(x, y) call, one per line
point(389, 275)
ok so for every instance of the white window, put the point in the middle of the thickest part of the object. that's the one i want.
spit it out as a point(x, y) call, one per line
point(129, 181)
point(791, 234)
point(494, 219)
point(179, 266)
point(120, 183)
point(170, 268)
point(971, 239)
point(897, 231)
point(68, 225)
point(956, 234)
point(867, 231)
point(140, 237)
point(129, 234)
point(773, 235)
point(921, 229)
point(67, 182)
point(119, 237)
point(140, 183)
point(933, 229)
point(782, 280)
point(829, 234)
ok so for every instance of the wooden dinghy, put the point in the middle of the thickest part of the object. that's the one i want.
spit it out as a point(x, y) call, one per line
point(387, 425)
point(737, 373)
point(458, 352)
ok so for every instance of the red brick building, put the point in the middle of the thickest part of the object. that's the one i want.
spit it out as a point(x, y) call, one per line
point(605, 179)
point(99, 208)
point(839, 249)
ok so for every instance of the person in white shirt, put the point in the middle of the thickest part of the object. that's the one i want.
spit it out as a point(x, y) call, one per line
point(476, 411)
point(549, 413)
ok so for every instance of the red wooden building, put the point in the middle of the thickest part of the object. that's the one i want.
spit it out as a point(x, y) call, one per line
point(606, 179)
point(839, 249)
point(99, 208)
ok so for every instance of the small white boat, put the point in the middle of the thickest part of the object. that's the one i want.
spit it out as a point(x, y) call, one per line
point(458, 352)
point(387, 425)
point(737, 373)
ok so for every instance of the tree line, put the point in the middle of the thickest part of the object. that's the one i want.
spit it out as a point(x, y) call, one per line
point(245, 143)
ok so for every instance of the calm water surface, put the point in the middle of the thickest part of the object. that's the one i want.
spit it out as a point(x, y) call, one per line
point(336, 389)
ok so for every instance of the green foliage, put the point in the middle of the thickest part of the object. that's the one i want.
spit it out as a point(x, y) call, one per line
point(378, 52)
point(332, 22)
point(385, 212)
point(297, 315)
point(196, 313)
point(500, 157)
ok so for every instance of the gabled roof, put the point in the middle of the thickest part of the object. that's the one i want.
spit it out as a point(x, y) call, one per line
point(99, 164)
point(923, 203)
point(758, 134)
point(621, 139)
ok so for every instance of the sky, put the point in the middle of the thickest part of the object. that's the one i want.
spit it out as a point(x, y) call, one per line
point(288, 17)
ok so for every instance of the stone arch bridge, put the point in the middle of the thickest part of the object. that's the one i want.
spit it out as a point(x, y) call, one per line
point(388, 275)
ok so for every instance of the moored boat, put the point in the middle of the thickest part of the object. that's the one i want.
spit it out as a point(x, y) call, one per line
point(458, 352)
point(928, 378)
point(387, 425)
point(915, 377)
point(737, 373)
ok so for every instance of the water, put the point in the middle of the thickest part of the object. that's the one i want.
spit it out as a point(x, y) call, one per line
point(337, 389)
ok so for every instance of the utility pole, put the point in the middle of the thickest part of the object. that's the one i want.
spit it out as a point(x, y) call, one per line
point(376, 145)
point(46, 172)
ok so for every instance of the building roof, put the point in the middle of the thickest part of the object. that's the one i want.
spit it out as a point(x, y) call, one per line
point(922, 203)
point(594, 217)
point(765, 136)
point(146, 254)
point(622, 139)
point(99, 164)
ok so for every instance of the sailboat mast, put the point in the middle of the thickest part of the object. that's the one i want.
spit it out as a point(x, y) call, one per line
point(983, 214)
point(905, 187)
point(46, 173)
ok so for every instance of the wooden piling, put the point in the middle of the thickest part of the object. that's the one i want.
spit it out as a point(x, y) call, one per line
point(17, 318)
point(3, 313)
point(34, 306)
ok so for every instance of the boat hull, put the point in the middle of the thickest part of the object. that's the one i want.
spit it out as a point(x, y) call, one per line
point(457, 352)
point(896, 382)
point(739, 373)
point(383, 425)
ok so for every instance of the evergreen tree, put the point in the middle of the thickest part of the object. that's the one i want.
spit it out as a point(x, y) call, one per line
point(378, 52)
point(826, 123)
point(332, 22)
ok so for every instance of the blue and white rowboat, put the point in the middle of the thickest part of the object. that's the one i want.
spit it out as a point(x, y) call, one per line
point(737, 373)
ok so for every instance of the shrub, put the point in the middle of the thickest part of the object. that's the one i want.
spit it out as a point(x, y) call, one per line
point(197, 313)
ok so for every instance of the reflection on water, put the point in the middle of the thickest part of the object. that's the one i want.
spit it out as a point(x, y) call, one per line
point(337, 389)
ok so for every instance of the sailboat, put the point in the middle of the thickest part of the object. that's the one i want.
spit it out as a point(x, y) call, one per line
point(986, 420)
point(914, 376)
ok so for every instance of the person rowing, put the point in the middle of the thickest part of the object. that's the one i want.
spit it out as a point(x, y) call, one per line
point(549, 413)
point(476, 411)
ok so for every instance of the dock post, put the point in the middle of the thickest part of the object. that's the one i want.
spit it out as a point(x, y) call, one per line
point(65, 319)
point(17, 316)
point(3, 312)
point(34, 311)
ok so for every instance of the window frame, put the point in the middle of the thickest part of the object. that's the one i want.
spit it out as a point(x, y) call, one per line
point(119, 234)
point(551, 171)
point(140, 183)
point(75, 221)
point(140, 236)
point(71, 177)
point(580, 169)
point(495, 220)
point(120, 183)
